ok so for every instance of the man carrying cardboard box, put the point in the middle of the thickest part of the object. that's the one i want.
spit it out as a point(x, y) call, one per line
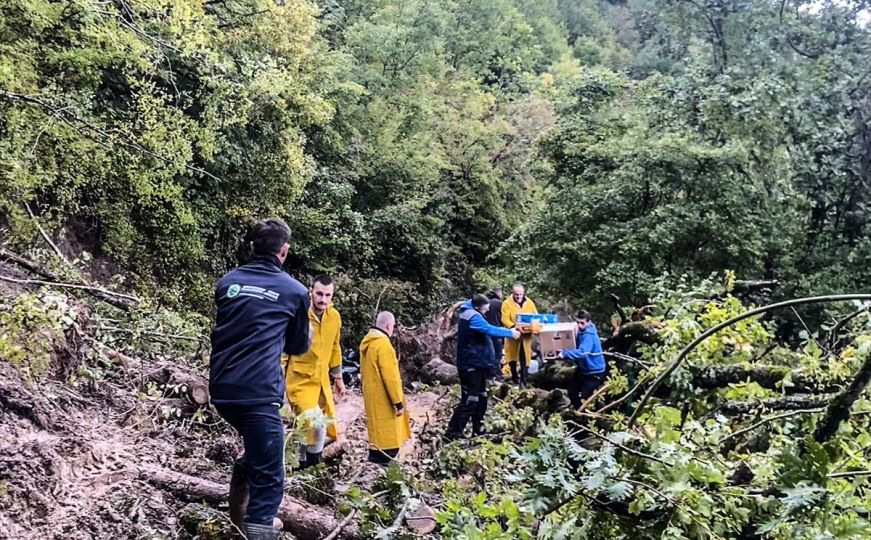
point(518, 349)
point(588, 358)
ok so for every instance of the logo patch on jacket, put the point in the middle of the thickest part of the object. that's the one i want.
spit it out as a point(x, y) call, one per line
point(253, 291)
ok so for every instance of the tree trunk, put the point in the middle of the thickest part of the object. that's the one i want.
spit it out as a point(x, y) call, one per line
point(305, 521)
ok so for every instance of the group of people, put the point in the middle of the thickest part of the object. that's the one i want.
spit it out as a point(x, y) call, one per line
point(275, 338)
point(486, 323)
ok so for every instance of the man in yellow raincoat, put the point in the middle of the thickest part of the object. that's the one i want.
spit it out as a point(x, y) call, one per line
point(386, 413)
point(518, 349)
point(308, 376)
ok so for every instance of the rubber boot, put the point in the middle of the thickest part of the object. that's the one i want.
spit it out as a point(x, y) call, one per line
point(513, 366)
point(312, 459)
point(260, 532)
point(238, 496)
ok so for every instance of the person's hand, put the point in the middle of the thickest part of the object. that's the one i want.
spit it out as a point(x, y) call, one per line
point(398, 411)
point(340, 387)
point(515, 333)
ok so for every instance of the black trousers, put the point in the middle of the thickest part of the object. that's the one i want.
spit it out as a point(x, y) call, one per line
point(473, 402)
point(524, 370)
point(584, 385)
point(382, 457)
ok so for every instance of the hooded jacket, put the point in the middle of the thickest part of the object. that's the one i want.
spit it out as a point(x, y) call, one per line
point(262, 311)
point(474, 343)
point(588, 356)
point(382, 390)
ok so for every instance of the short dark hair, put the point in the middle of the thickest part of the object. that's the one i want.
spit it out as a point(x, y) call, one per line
point(323, 279)
point(479, 300)
point(269, 235)
point(584, 315)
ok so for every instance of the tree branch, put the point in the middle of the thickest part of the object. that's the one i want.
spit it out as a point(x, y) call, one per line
point(788, 403)
point(839, 408)
point(119, 300)
point(768, 419)
point(725, 324)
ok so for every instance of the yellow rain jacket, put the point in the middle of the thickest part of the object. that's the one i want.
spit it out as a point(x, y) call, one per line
point(382, 388)
point(510, 309)
point(308, 375)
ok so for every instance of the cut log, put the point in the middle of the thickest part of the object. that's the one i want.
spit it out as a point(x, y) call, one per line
point(559, 374)
point(305, 521)
point(182, 383)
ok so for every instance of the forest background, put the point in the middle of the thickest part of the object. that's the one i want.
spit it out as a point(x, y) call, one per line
point(426, 150)
point(661, 151)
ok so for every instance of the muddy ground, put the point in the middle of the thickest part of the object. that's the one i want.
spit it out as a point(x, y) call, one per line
point(74, 456)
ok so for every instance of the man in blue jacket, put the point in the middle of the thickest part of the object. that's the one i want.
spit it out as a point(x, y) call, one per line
point(476, 360)
point(262, 312)
point(588, 358)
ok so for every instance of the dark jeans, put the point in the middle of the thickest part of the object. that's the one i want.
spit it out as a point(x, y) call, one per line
point(473, 402)
point(263, 436)
point(383, 457)
point(584, 385)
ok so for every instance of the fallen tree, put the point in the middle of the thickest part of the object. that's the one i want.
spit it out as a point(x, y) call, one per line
point(305, 521)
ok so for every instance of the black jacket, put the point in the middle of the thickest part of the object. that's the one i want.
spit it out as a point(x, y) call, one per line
point(262, 311)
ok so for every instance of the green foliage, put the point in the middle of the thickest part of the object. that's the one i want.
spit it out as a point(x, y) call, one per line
point(33, 332)
point(671, 476)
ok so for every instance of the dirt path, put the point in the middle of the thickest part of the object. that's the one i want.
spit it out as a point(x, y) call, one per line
point(422, 409)
point(70, 456)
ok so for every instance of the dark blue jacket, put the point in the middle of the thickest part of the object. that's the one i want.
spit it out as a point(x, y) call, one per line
point(474, 343)
point(588, 356)
point(262, 311)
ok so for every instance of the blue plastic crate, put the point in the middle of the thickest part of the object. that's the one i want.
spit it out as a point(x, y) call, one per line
point(543, 318)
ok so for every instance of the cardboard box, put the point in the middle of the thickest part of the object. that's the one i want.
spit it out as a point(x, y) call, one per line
point(555, 337)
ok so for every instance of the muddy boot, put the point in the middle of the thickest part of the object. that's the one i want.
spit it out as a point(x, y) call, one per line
point(513, 366)
point(261, 532)
point(238, 496)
